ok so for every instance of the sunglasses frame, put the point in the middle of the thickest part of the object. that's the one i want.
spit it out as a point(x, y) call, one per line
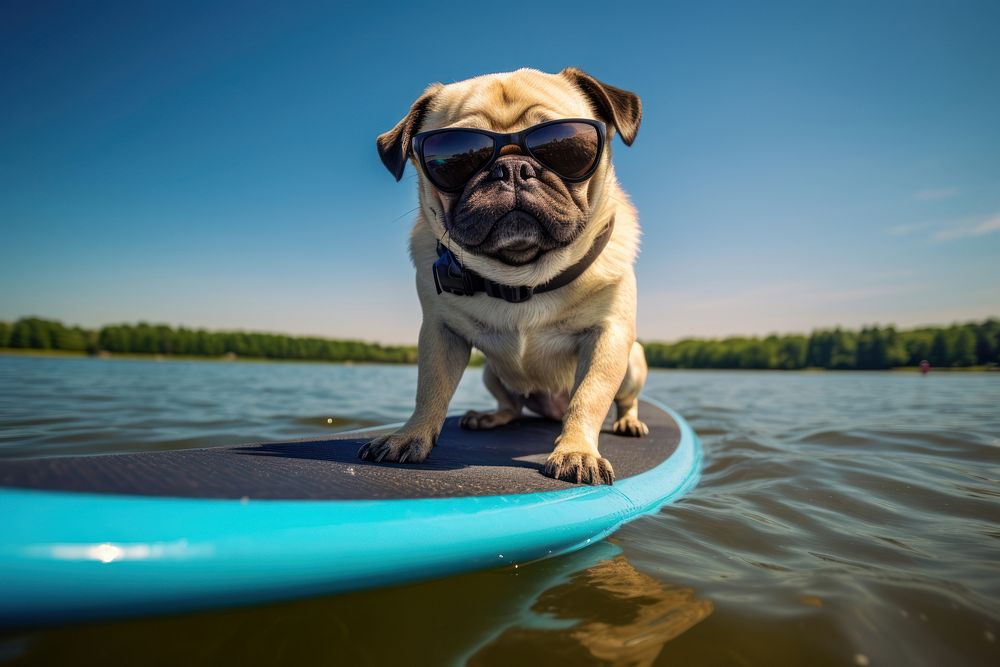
point(501, 140)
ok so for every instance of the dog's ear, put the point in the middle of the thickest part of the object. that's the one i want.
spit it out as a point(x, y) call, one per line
point(614, 106)
point(394, 145)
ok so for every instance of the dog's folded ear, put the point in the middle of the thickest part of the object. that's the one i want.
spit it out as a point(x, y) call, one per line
point(394, 145)
point(617, 107)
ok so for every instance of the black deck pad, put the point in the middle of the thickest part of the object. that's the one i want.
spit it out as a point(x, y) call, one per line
point(464, 463)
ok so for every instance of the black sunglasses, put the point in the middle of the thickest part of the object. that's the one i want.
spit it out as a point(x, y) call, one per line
point(451, 156)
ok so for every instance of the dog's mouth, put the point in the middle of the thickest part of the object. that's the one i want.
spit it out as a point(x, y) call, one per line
point(516, 238)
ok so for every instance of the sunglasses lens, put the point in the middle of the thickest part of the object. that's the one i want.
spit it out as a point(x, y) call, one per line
point(451, 158)
point(569, 149)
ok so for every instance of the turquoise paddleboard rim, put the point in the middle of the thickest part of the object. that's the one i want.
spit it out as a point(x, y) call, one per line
point(79, 556)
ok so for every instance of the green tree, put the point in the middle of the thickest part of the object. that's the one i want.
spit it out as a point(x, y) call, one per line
point(988, 342)
point(963, 352)
point(918, 344)
point(75, 338)
point(819, 350)
point(34, 333)
point(792, 352)
point(941, 348)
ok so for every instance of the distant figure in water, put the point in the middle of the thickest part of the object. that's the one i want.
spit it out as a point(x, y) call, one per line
point(925, 367)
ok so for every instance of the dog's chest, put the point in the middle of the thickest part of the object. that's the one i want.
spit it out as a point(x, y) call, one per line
point(531, 360)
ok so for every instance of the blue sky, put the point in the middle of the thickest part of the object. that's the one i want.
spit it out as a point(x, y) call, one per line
point(213, 164)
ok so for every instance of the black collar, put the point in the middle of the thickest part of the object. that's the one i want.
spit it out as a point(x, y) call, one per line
point(450, 276)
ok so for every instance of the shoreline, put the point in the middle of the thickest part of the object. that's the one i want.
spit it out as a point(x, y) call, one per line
point(73, 354)
point(135, 356)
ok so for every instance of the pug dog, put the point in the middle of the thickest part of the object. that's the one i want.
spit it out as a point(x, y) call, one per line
point(524, 247)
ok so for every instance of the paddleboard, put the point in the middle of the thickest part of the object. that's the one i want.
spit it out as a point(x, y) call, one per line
point(92, 537)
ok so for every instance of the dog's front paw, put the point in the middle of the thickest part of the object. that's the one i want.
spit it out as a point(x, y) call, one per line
point(579, 467)
point(397, 447)
point(630, 426)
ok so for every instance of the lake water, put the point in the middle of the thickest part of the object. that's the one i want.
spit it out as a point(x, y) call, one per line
point(842, 518)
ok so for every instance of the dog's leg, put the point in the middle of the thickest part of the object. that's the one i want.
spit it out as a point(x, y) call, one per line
point(509, 405)
point(441, 358)
point(627, 399)
point(604, 359)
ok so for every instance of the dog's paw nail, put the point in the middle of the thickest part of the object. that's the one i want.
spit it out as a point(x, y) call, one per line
point(471, 420)
point(579, 468)
point(630, 427)
point(606, 472)
point(484, 421)
point(397, 448)
point(365, 452)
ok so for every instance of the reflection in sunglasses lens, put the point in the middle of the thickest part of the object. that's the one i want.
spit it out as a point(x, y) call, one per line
point(452, 158)
point(569, 149)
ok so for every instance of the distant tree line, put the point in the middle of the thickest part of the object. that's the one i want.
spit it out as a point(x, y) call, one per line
point(872, 348)
point(958, 345)
point(40, 334)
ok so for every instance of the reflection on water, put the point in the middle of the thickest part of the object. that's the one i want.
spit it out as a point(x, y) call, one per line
point(841, 519)
point(592, 606)
point(608, 612)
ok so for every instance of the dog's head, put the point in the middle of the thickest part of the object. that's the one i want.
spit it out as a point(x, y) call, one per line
point(516, 211)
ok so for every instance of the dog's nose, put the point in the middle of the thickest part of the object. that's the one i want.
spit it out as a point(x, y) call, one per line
point(513, 169)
